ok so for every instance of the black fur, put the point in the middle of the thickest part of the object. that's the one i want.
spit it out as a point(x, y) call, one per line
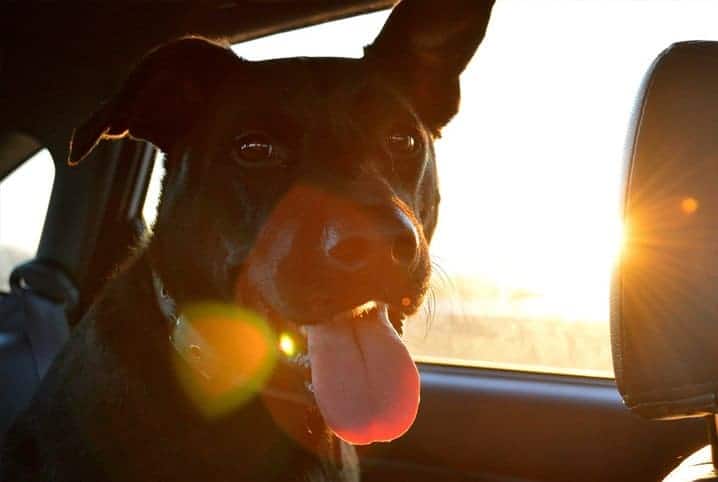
point(227, 230)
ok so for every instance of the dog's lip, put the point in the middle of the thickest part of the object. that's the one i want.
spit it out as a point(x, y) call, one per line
point(397, 313)
point(399, 307)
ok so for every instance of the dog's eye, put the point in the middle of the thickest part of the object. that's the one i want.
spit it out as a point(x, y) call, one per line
point(255, 150)
point(403, 144)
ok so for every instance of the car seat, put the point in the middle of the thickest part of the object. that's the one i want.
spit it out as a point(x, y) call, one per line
point(33, 329)
point(664, 320)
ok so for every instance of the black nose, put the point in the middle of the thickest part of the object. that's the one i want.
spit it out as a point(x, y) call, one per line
point(403, 250)
point(352, 247)
point(350, 253)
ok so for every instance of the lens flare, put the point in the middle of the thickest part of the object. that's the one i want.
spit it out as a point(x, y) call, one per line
point(223, 355)
point(287, 345)
point(689, 205)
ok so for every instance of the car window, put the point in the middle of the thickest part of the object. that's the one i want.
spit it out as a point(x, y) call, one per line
point(531, 175)
point(24, 196)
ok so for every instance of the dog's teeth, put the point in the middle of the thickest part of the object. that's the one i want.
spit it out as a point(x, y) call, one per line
point(309, 386)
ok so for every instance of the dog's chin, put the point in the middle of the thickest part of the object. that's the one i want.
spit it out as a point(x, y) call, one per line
point(352, 363)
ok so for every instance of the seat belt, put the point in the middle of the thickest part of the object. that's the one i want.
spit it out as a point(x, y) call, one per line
point(33, 329)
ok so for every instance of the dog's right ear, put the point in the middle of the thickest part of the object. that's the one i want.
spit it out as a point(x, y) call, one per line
point(426, 44)
point(161, 99)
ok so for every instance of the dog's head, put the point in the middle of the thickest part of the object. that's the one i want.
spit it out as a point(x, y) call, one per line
point(306, 189)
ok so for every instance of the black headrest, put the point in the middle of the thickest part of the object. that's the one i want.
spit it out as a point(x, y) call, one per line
point(664, 318)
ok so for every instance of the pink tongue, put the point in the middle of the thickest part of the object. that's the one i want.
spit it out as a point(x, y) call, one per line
point(365, 382)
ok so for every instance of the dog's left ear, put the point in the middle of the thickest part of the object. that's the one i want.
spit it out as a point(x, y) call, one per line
point(426, 44)
point(161, 99)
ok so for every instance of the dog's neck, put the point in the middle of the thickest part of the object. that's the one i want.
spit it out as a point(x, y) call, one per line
point(284, 390)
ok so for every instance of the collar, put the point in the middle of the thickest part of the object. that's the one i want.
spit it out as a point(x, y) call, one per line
point(196, 352)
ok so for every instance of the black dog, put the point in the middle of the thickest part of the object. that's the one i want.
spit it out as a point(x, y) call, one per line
point(301, 189)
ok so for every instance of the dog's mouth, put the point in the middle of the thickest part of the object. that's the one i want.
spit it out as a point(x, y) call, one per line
point(340, 275)
point(356, 368)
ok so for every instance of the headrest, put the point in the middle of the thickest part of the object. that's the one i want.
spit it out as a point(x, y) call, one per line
point(664, 308)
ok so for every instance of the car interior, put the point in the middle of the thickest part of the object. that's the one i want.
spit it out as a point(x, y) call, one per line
point(637, 415)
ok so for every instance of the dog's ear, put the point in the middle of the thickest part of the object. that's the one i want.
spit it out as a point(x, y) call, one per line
point(160, 99)
point(426, 44)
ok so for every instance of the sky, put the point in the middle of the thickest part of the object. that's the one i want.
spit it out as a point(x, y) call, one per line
point(531, 169)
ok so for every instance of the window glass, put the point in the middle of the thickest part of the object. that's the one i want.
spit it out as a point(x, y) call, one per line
point(24, 196)
point(531, 172)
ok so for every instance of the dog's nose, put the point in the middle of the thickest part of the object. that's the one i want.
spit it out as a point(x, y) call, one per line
point(349, 253)
point(352, 247)
point(403, 249)
point(405, 240)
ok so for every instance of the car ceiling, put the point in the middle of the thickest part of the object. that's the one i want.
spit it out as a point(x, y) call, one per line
point(59, 61)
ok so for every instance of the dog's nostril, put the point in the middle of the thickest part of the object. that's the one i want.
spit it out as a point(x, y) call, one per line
point(351, 253)
point(403, 250)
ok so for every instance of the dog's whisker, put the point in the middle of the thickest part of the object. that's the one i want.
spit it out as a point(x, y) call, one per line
point(442, 275)
point(446, 288)
point(429, 310)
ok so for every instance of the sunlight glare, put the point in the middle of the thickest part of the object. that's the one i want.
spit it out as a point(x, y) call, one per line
point(689, 205)
point(286, 345)
point(223, 356)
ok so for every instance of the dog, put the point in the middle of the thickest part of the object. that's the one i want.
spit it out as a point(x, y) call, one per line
point(300, 194)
